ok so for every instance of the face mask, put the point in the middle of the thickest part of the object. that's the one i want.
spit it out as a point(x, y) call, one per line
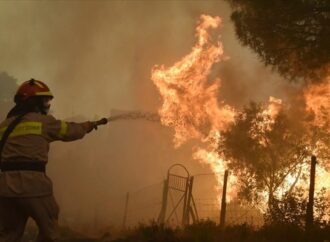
point(45, 106)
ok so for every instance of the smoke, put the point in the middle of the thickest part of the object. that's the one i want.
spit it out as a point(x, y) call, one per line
point(98, 55)
point(84, 49)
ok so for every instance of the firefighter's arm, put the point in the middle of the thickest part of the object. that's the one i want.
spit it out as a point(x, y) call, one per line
point(66, 131)
point(89, 126)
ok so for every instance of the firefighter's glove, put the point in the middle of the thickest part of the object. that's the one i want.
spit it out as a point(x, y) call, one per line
point(89, 126)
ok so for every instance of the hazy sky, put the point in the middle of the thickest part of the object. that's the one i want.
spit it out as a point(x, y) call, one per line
point(98, 55)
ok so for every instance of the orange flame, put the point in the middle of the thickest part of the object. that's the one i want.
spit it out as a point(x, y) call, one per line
point(318, 101)
point(191, 107)
point(274, 107)
point(190, 103)
point(265, 119)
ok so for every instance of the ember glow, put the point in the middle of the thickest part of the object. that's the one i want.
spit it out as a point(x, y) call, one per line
point(318, 101)
point(266, 119)
point(317, 98)
point(190, 103)
point(211, 157)
point(274, 107)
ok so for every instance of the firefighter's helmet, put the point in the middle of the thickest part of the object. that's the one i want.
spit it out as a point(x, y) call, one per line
point(32, 88)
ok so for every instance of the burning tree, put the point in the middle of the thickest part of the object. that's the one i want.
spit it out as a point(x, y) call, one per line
point(291, 209)
point(264, 145)
point(190, 98)
point(268, 150)
point(292, 37)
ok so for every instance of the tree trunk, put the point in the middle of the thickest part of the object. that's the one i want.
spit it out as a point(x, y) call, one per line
point(271, 195)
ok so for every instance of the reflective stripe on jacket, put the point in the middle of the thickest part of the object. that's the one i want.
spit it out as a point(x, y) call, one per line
point(29, 142)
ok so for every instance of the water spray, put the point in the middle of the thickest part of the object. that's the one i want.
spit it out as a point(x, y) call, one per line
point(152, 117)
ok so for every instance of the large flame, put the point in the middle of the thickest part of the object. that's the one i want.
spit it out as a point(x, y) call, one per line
point(190, 103)
point(191, 107)
point(317, 97)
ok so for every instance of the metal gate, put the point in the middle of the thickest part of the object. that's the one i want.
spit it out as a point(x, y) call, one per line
point(178, 198)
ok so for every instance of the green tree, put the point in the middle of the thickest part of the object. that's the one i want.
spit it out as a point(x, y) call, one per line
point(291, 209)
point(291, 36)
point(319, 136)
point(263, 151)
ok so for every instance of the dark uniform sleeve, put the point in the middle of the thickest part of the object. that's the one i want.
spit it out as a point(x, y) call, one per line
point(54, 129)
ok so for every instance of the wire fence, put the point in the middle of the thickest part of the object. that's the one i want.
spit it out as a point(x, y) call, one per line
point(144, 205)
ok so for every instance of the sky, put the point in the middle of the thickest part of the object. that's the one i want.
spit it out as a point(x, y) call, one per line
point(97, 56)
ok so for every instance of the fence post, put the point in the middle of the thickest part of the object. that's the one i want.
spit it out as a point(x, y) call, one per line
point(161, 217)
point(185, 204)
point(310, 205)
point(223, 201)
point(188, 207)
point(194, 209)
point(125, 211)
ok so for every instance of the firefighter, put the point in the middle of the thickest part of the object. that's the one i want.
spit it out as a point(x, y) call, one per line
point(25, 189)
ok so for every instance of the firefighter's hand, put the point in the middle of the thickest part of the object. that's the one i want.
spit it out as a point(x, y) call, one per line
point(89, 126)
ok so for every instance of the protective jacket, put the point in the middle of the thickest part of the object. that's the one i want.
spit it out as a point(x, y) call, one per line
point(29, 143)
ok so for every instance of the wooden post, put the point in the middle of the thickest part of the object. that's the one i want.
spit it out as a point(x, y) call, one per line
point(310, 205)
point(125, 211)
point(188, 207)
point(185, 205)
point(194, 208)
point(161, 217)
point(223, 201)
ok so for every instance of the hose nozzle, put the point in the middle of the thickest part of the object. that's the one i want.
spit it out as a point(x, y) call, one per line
point(102, 121)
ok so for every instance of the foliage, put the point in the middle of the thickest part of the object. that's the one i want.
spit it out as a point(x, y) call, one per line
point(283, 232)
point(319, 138)
point(202, 231)
point(291, 209)
point(292, 36)
point(152, 232)
point(263, 152)
point(213, 233)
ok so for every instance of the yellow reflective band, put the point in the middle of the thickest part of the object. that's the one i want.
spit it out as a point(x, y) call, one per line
point(44, 94)
point(63, 130)
point(24, 128)
point(2, 130)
